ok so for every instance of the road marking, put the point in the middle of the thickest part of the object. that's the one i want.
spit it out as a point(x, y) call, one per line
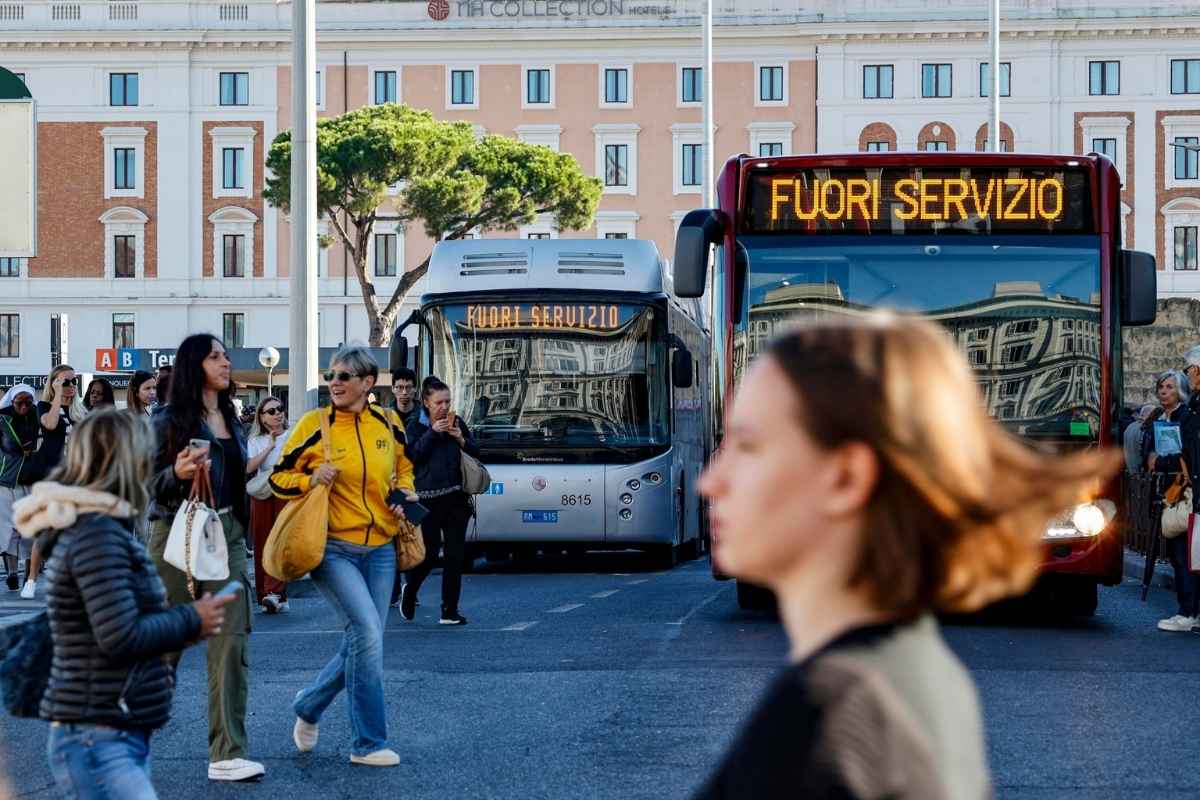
point(683, 620)
point(643, 580)
point(520, 626)
point(602, 595)
point(565, 609)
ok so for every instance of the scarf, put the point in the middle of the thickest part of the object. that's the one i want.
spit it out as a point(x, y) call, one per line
point(19, 389)
point(52, 505)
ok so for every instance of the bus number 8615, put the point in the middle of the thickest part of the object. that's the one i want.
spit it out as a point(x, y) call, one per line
point(576, 499)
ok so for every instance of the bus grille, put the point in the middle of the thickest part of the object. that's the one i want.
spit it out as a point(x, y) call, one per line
point(494, 264)
point(591, 264)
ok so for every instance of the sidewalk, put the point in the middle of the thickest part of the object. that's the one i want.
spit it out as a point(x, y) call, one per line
point(1135, 565)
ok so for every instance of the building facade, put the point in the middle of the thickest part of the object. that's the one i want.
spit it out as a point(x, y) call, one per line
point(155, 117)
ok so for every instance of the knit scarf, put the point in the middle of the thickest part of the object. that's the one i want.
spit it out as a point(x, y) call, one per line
point(52, 505)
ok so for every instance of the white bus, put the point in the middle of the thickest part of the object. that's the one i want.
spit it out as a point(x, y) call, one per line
point(578, 372)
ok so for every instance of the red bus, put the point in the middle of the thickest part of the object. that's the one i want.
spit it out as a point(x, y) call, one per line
point(1019, 256)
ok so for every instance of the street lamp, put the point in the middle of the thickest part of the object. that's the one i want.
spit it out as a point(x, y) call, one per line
point(269, 358)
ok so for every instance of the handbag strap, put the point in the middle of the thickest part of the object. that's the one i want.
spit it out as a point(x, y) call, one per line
point(326, 445)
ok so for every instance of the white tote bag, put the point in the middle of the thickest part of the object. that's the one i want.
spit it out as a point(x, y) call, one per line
point(196, 545)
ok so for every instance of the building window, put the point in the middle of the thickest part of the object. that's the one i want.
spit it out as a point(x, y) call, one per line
point(385, 86)
point(616, 236)
point(616, 85)
point(1186, 158)
point(877, 81)
point(691, 166)
point(537, 87)
point(232, 176)
point(1005, 146)
point(235, 88)
point(233, 330)
point(122, 329)
point(877, 147)
point(936, 80)
point(124, 257)
point(936, 146)
point(1185, 76)
point(1104, 77)
point(537, 236)
point(768, 149)
point(10, 335)
point(385, 255)
point(985, 79)
point(10, 267)
point(770, 84)
point(233, 255)
point(616, 165)
point(1185, 247)
point(1105, 146)
point(691, 85)
point(124, 168)
point(123, 89)
point(462, 87)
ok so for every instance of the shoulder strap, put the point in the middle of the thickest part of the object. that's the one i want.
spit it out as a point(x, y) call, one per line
point(391, 439)
point(325, 435)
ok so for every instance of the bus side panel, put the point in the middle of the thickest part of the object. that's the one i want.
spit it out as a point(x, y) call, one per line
point(652, 505)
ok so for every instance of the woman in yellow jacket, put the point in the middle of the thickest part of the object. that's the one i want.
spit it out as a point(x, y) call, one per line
point(356, 575)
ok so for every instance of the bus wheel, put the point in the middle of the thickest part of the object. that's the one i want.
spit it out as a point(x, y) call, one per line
point(1081, 597)
point(754, 598)
point(497, 555)
point(663, 556)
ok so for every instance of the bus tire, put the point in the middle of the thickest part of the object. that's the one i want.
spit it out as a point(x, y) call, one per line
point(664, 556)
point(1082, 598)
point(754, 598)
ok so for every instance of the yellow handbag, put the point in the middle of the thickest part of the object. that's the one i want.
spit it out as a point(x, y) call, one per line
point(410, 544)
point(297, 541)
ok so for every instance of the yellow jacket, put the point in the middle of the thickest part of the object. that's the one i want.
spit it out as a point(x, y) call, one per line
point(358, 510)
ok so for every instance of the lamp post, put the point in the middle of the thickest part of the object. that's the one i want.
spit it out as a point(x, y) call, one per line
point(302, 341)
point(269, 358)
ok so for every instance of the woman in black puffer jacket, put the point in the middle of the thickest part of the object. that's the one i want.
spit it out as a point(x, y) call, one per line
point(110, 686)
point(435, 444)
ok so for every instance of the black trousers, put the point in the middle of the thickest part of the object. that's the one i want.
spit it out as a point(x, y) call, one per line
point(1187, 584)
point(445, 528)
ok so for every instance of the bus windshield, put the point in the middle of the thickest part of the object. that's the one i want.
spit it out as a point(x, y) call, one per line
point(1024, 308)
point(565, 375)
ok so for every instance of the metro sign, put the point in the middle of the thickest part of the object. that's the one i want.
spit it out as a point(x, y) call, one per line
point(110, 359)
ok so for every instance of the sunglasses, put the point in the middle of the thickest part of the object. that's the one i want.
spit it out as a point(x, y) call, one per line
point(272, 411)
point(22, 403)
point(70, 382)
point(343, 376)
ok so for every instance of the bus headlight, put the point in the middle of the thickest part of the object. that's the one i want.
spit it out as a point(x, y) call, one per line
point(627, 499)
point(653, 478)
point(626, 514)
point(1086, 519)
point(634, 484)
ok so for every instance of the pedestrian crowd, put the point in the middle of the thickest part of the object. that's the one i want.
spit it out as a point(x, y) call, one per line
point(1162, 441)
point(90, 496)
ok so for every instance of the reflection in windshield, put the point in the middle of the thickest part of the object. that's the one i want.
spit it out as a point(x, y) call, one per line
point(522, 379)
point(1027, 315)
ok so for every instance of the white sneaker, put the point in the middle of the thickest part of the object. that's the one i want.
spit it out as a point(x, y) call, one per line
point(380, 758)
point(1178, 624)
point(304, 734)
point(235, 769)
point(284, 607)
point(28, 590)
point(270, 603)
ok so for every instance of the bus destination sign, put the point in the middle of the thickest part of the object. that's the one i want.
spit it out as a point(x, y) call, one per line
point(899, 200)
point(553, 316)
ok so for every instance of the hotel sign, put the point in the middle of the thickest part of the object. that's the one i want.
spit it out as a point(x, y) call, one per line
point(550, 9)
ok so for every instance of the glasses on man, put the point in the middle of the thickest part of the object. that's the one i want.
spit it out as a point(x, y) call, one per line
point(341, 376)
point(273, 411)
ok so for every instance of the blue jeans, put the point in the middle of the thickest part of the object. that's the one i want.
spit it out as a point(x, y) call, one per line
point(95, 762)
point(357, 582)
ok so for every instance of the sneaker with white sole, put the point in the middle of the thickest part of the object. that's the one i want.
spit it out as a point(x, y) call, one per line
point(284, 608)
point(235, 769)
point(305, 735)
point(270, 603)
point(380, 758)
point(453, 618)
point(1178, 624)
point(28, 590)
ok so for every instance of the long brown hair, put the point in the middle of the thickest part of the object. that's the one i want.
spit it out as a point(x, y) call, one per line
point(956, 518)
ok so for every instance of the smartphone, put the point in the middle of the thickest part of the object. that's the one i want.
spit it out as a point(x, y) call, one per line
point(450, 417)
point(199, 444)
point(233, 587)
point(414, 512)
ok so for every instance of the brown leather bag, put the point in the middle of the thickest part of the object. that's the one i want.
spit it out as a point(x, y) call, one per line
point(409, 543)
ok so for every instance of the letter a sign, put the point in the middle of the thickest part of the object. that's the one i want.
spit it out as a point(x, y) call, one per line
point(18, 143)
point(106, 359)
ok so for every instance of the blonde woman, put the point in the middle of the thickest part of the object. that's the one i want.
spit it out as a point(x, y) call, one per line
point(860, 479)
point(110, 687)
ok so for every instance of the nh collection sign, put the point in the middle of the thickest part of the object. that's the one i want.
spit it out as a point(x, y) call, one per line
point(549, 9)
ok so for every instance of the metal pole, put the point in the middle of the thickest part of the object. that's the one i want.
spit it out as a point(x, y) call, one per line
point(709, 188)
point(994, 33)
point(302, 342)
point(271, 382)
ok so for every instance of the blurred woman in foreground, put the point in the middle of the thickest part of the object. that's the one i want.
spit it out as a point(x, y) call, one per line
point(861, 480)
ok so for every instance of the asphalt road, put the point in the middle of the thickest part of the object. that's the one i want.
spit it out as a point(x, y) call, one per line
point(601, 678)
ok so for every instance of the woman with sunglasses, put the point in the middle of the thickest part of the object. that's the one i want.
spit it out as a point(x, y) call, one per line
point(18, 444)
point(359, 567)
point(263, 451)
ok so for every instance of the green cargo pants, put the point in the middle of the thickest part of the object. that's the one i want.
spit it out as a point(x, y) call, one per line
point(228, 667)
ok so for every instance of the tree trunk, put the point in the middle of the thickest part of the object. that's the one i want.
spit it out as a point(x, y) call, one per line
point(387, 317)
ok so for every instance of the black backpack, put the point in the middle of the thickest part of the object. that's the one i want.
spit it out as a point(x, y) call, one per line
point(25, 665)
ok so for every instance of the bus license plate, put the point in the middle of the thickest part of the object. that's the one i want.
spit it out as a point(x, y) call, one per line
point(539, 516)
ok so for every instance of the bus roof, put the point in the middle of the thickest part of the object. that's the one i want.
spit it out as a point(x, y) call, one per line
point(920, 158)
point(467, 265)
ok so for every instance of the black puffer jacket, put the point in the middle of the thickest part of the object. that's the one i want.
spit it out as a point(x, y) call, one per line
point(437, 458)
point(111, 628)
point(169, 493)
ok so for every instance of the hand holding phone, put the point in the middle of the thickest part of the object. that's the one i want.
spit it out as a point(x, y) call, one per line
point(412, 510)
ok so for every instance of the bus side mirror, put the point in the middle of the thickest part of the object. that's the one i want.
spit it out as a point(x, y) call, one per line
point(398, 353)
point(681, 369)
point(699, 230)
point(1139, 288)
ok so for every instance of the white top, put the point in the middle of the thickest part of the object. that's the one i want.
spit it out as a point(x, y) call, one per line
point(258, 444)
